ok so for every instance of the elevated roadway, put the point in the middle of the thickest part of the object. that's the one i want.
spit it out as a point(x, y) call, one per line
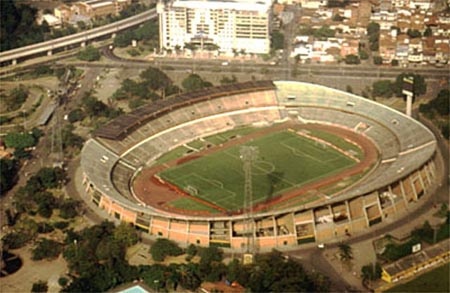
point(12, 56)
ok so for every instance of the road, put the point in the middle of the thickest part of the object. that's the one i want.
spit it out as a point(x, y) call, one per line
point(278, 70)
point(67, 41)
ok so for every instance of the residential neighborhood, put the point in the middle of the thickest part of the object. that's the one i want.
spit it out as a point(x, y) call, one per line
point(404, 32)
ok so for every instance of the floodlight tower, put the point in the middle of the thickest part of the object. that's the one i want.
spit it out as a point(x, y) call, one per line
point(249, 154)
point(408, 90)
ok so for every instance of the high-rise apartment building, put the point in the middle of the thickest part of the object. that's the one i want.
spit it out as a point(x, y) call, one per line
point(232, 25)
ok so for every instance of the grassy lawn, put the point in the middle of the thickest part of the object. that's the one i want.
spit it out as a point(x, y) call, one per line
point(196, 144)
point(226, 136)
point(436, 280)
point(172, 155)
point(286, 161)
point(339, 142)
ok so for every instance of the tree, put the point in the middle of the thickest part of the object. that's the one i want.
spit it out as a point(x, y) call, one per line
point(352, 59)
point(442, 102)
point(46, 249)
point(40, 286)
point(93, 107)
point(16, 240)
point(68, 209)
point(445, 130)
point(377, 60)
point(51, 177)
point(124, 39)
point(373, 28)
point(75, 115)
point(155, 79)
point(8, 172)
point(363, 55)
point(17, 96)
point(345, 252)
point(419, 86)
point(20, 140)
point(126, 234)
point(324, 32)
point(371, 272)
point(428, 32)
point(46, 202)
point(382, 88)
point(349, 89)
point(89, 54)
point(194, 82)
point(164, 247)
point(277, 40)
point(373, 32)
point(210, 265)
point(189, 278)
point(394, 62)
point(191, 250)
point(228, 80)
point(70, 139)
point(413, 33)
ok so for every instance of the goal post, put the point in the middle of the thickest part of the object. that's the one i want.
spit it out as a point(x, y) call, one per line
point(191, 190)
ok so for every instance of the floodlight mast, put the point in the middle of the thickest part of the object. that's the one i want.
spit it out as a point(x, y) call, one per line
point(249, 154)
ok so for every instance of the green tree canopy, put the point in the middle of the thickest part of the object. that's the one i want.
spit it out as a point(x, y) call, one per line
point(382, 88)
point(413, 33)
point(194, 82)
point(352, 59)
point(90, 53)
point(324, 32)
point(20, 140)
point(277, 42)
point(164, 247)
point(373, 28)
point(420, 86)
point(8, 172)
point(154, 78)
point(46, 249)
point(377, 60)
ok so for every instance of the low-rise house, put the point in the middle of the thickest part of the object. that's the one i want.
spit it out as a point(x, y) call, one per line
point(421, 4)
point(349, 47)
point(63, 12)
point(313, 4)
point(442, 50)
point(429, 50)
point(50, 19)
point(388, 47)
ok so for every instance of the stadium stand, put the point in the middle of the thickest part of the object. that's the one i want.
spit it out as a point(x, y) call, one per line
point(404, 172)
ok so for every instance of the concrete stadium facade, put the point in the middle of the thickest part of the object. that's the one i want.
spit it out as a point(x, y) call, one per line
point(404, 173)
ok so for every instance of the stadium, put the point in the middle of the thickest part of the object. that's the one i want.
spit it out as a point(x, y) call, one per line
point(327, 164)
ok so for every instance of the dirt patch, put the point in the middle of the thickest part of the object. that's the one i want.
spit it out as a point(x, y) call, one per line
point(187, 159)
point(157, 193)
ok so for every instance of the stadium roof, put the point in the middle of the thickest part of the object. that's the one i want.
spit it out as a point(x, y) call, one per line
point(120, 126)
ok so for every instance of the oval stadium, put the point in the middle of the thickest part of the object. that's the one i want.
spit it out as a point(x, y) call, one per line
point(271, 164)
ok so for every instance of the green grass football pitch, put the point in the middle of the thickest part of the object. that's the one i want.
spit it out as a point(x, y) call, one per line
point(285, 161)
point(436, 280)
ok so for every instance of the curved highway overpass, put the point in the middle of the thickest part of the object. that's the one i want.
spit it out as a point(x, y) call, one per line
point(12, 56)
